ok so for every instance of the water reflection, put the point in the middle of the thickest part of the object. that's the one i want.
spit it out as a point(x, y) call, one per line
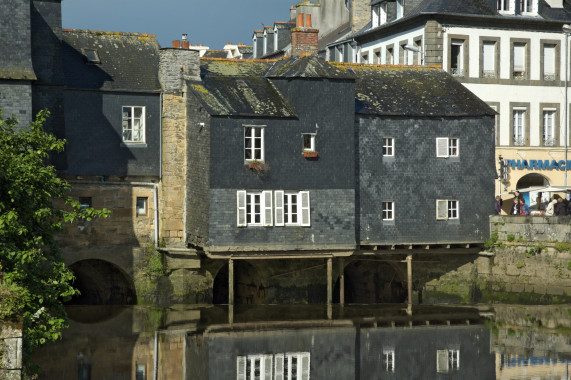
point(307, 342)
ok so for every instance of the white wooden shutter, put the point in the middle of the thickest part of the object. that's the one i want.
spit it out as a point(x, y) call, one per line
point(267, 367)
point(441, 209)
point(305, 217)
point(442, 147)
point(267, 204)
point(241, 368)
point(519, 57)
point(549, 59)
point(441, 360)
point(241, 208)
point(279, 368)
point(489, 53)
point(279, 207)
point(305, 367)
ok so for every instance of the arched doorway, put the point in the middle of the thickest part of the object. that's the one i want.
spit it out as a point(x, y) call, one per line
point(101, 283)
point(372, 281)
point(533, 197)
point(248, 286)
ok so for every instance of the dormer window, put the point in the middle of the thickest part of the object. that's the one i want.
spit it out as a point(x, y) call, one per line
point(400, 8)
point(506, 6)
point(379, 14)
point(265, 42)
point(528, 6)
point(91, 56)
point(275, 38)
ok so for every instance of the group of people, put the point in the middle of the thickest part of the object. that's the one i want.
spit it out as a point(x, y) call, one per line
point(557, 206)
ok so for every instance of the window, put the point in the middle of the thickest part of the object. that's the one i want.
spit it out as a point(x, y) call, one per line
point(288, 366)
point(528, 6)
point(400, 9)
point(457, 58)
point(404, 54)
point(488, 59)
point(549, 62)
point(417, 55)
point(296, 366)
point(377, 57)
point(254, 367)
point(309, 142)
point(447, 209)
point(254, 208)
point(141, 206)
point(389, 59)
point(133, 124)
point(519, 127)
point(365, 58)
point(253, 143)
point(84, 202)
point(389, 360)
point(388, 146)
point(447, 360)
point(548, 127)
point(388, 212)
point(519, 60)
point(379, 14)
point(447, 147)
point(140, 372)
point(292, 208)
point(91, 56)
point(506, 6)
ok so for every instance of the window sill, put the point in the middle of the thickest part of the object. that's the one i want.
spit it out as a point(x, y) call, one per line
point(133, 145)
point(388, 222)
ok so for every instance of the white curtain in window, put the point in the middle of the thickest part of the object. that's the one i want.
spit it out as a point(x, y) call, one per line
point(549, 59)
point(489, 52)
point(519, 57)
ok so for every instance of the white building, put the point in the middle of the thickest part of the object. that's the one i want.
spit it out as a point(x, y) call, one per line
point(511, 53)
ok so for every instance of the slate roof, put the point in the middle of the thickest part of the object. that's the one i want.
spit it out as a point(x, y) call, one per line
point(241, 96)
point(305, 67)
point(129, 61)
point(423, 91)
point(234, 67)
point(216, 54)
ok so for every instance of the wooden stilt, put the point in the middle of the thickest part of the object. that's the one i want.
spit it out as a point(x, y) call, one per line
point(341, 282)
point(409, 283)
point(329, 281)
point(230, 282)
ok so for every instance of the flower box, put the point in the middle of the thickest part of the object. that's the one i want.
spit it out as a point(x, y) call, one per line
point(309, 154)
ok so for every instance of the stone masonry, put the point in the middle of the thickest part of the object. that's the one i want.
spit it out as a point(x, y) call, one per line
point(10, 351)
point(433, 48)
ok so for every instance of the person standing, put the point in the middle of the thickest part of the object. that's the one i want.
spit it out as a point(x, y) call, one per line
point(524, 209)
point(560, 207)
point(498, 205)
point(550, 210)
point(516, 206)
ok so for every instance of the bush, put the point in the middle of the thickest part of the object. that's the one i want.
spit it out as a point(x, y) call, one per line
point(491, 241)
point(511, 237)
point(563, 246)
point(11, 304)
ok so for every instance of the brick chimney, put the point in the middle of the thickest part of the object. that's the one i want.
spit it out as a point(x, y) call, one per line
point(303, 37)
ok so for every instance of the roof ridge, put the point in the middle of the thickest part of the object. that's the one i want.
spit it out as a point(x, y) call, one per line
point(391, 67)
point(98, 32)
point(237, 59)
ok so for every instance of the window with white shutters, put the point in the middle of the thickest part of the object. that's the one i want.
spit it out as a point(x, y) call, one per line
point(267, 208)
point(442, 361)
point(549, 62)
point(254, 208)
point(489, 59)
point(279, 207)
point(279, 367)
point(519, 69)
point(305, 209)
point(241, 368)
point(241, 208)
point(447, 147)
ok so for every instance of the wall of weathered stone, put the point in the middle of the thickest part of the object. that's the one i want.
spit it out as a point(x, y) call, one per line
point(532, 228)
point(10, 350)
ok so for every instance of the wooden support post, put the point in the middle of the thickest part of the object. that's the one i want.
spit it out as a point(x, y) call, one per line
point(341, 282)
point(329, 281)
point(230, 282)
point(409, 283)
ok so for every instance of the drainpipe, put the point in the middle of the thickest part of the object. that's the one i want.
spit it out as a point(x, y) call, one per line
point(160, 170)
point(156, 358)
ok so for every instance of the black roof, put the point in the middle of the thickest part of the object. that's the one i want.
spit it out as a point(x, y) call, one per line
point(424, 91)
point(216, 54)
point(304, 67)
point(127, 61)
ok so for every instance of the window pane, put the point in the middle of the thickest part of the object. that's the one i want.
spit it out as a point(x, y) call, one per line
point(519, 57)
point(489, 53)
point(138, 112)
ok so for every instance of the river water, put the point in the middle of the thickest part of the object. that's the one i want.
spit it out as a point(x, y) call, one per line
point(311, 342)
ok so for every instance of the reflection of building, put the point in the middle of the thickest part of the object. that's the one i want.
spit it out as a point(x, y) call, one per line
point(509, 53)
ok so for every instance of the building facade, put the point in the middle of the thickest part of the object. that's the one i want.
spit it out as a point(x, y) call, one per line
point(511, 54)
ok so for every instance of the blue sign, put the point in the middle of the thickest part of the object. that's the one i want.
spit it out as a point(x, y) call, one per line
point(539, 164)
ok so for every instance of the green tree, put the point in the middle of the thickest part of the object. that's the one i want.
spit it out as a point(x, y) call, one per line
point(34, 205)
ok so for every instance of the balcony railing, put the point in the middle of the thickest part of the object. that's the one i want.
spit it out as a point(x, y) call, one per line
point(489, 74)
point(519, 141)
point(549, 141)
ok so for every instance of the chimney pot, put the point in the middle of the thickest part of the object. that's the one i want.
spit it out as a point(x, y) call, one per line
point(184, 36)
point(200, 44)
point(308, 20)
point(299, 20)
point(176, 44)
point(185, 44)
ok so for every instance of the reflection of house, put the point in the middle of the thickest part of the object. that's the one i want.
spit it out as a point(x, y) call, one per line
point(509, 53)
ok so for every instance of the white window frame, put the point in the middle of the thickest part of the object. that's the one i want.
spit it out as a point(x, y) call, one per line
point(489, 59)
point(388, 149)
point(389, 360)
point(447, 209)
point(128, 125)
point(311, 146)
point(503, 4)
point(447, 147)
point(383, 13)
point(283, 212)
point(243, 363)
point(519, 70)
point(388, 210)
point(400, 9)
point(145, 202)
point(251, 138)
point(276, 38)
point(246, 202)
point(447, 360)
point(519, 125)
point(389, 55)
point(528, 7)
point(459, 69)
point(548, 123)
point(549, 64)
point(303, 365)
point(376, 15)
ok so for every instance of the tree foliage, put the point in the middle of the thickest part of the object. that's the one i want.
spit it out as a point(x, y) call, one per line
point(34, 272)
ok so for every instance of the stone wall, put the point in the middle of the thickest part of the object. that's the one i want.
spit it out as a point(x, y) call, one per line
point(10, 350)
point(532, 228)
point(433, 43)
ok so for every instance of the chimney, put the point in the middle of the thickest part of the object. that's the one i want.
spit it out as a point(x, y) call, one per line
point(176, 44)
point(185, 44)
point(303, 37)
